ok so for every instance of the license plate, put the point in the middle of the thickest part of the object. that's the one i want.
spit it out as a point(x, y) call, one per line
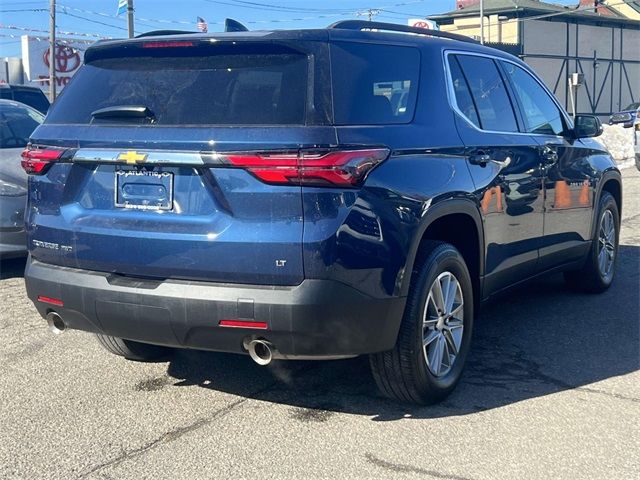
point(144, 189)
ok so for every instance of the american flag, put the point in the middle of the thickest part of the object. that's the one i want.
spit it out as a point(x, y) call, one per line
point(202, 25)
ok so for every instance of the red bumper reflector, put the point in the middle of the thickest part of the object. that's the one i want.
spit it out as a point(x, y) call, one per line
point(243, 324)
point(52, 301)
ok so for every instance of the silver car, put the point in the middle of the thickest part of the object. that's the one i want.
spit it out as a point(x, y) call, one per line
point(17, 122)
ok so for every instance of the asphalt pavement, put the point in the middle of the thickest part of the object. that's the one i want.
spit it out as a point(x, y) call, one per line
point(552, 390)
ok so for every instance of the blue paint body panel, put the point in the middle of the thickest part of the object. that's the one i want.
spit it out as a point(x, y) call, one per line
point(336, 249)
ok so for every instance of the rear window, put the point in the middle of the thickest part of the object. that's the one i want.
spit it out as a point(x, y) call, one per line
point(374, 84)
point(33, 98)
point(247, 89)
point(17, 122)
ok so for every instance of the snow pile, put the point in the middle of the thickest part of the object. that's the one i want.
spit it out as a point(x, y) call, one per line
point(619, 141)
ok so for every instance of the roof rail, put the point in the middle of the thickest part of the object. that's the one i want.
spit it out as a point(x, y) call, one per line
point(154, 33)
point(393, 27)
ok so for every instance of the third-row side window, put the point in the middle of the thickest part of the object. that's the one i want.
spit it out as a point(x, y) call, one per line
point(489, 94)
point(481, 96)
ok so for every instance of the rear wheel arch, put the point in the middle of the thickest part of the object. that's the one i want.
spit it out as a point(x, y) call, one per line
point(459, 223)
point(614, 187)
point(611, 182)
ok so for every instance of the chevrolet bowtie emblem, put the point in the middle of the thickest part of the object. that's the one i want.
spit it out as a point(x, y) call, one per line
point(132, 157)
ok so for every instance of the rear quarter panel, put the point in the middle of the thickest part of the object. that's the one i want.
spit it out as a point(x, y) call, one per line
point(366, 238)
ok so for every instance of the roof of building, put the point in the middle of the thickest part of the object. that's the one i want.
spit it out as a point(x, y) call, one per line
point(492, 7)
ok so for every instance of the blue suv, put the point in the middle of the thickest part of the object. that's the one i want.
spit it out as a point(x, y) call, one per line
point(310, 194)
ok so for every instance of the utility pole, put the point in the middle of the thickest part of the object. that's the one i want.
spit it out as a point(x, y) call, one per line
point(52, 50)
point(482, 22)
point(130, 18)
point(370, 12)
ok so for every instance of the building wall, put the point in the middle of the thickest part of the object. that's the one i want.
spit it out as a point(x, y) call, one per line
point(623, 9)
point(494, 30)
point(608, 57)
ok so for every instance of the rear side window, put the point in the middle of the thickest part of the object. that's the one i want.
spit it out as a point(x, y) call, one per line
point(17, 122)
point(374, 84)
point(242, 89)
point(32, 98)
point(489, 93)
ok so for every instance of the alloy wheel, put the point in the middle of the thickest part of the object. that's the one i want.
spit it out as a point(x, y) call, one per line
point(443, 324)
point(606, 244)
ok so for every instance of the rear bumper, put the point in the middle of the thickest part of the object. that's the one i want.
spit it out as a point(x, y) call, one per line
point(316, 319)
point(13, 243)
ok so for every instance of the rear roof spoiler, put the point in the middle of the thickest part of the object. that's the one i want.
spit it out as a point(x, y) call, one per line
point(392, 27)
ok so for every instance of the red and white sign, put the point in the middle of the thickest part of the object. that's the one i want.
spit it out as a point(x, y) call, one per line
point(423, 23)
point(36, 59)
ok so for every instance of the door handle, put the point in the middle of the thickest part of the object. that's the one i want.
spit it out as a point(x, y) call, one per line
point(480, 159)
point(502, 163)
point(483, 159)
point(549, 156)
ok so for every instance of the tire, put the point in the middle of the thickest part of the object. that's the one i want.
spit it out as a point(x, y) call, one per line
point(591, 278)
point(141, 352)
point(403, 372)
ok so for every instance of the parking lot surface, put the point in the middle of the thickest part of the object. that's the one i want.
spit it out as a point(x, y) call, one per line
point(551, 390)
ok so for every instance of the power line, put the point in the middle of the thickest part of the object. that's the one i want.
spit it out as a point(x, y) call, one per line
point(283, 8)
point(25, 10)
point(369, 13)
point(38, 30)
point(280, 8)
point(64, 12)
point(139, 20)
point(6, 4)
point(71, 42)
point(330, 13)
point(547, 15)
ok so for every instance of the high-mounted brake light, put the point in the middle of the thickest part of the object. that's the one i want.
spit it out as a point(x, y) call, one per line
point(37, 161)
point(346, 168)
point(169, 44)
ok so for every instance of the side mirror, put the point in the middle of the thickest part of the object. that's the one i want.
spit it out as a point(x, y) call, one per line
point(586, 126)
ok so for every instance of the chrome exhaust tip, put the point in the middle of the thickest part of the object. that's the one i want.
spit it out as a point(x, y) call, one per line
point(260, 352)
point(56, 325)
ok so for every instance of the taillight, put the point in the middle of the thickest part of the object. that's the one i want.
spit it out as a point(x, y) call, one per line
point(37, 161)
point(346, 168)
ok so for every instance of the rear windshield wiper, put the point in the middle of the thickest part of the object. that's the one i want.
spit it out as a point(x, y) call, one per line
point(124, 111)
